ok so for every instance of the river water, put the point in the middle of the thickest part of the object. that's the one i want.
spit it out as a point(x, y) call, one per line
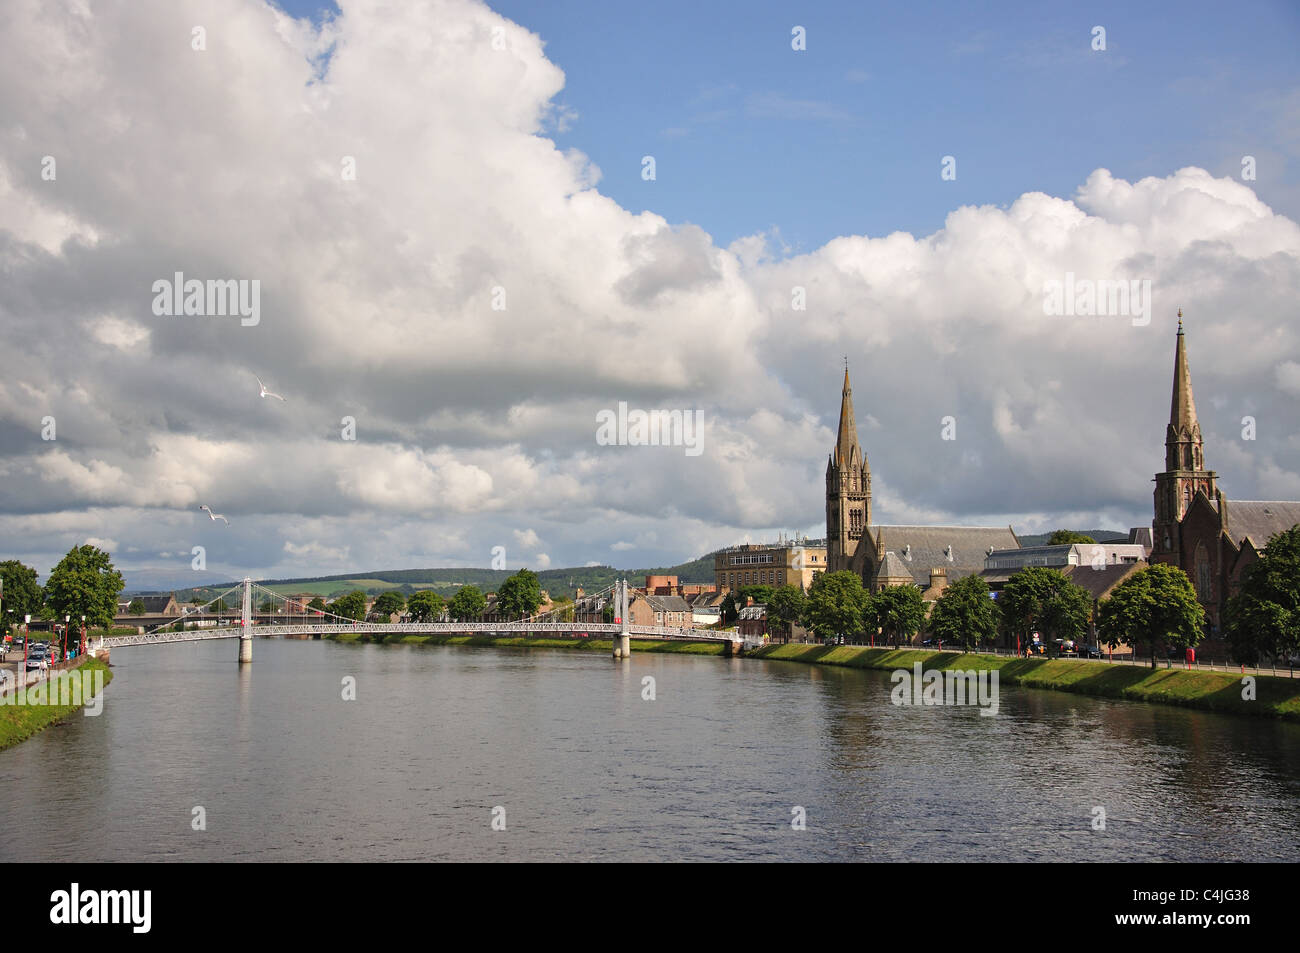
point(566, 752)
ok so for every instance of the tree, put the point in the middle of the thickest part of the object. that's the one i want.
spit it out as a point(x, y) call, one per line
point(835, 603)
point(1043, 600)
point(426, 606)
point(84, 583)
point(761, 595)
point(467, 604)
point(388, 602)
point(1063, 536)
point(519, 595)
point(267, 605)
point(1263, 619)
point(898, 612)
point(786, 607)
point(1065, 615)
point(350, 606)
point(136, 607)
point(318, 603)
point(220, 606)
point(728, 609)
point(21, 593)
point(965, 614)
point(1154, 607)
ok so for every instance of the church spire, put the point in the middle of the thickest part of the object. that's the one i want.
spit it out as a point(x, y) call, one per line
point(847, 441)
point(1185, 474)
point(1182, 408)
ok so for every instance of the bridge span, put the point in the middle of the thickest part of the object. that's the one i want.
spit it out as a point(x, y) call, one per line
point(621, 630)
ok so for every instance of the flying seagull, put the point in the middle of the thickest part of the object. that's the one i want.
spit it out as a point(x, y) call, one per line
point(214, 516)
point(265, 392)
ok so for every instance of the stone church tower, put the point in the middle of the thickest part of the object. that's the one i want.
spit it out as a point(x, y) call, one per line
point(1185, 471)
point(848, 490)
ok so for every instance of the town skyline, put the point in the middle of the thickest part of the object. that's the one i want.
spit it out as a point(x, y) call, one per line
point(421, 301)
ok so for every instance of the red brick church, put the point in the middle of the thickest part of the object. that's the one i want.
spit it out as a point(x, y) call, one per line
point(1210, 538)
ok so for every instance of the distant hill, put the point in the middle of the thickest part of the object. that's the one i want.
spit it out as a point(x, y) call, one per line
point(1100, 535)
point(445, 582)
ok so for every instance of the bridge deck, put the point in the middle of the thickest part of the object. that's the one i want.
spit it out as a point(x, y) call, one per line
point(428, 628)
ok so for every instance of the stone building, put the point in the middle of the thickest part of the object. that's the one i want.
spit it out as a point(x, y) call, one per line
point(794, 563)
point(892, 555)
point(1211, 538)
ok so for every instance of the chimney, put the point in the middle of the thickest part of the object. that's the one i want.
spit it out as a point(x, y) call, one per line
point(749, 600)
point(938, 577)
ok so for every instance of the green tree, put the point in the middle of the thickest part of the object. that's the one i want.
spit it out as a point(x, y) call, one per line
point(835, 603)
point(467, 604)
point(426, 606)
point(350, 606)
point(136, 607)
point(1063, 536)
point(1155, 607)
point(386, 603)
point(1043, 600)
point(1065, 615)
point(1263, 619)
point(897, 612)
point(965, 614)
point(786, 607)
point(761, 595)
point(219, 606)
point(267, 605)
point(317, 603)
point(728, 608)
point(519, 595)
point(84, 583)
point(19, 592)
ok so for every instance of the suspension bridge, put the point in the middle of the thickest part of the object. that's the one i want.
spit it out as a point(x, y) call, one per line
point(199, 623)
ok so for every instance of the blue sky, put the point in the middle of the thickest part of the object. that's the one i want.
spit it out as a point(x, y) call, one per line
point(847, 137)
point(476, 423)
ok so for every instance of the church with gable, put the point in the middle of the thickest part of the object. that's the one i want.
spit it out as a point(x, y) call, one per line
point(928, 556)
point(1209, 537)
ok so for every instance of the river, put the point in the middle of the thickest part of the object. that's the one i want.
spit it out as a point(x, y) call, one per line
point(576, 765)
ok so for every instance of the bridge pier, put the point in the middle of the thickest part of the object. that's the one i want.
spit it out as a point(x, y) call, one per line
point(246, 635)
point(622, 639)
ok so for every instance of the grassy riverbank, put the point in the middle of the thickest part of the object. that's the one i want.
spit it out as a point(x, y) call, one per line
point(587, 645)
point(1211, 691)
point(20, 722)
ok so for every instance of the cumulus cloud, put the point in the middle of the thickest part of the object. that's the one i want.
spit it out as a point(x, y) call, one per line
point(378, 294)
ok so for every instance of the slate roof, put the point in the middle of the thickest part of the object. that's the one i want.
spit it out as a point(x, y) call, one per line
point(1141, 535)
point(959, 549)
point(1099, 582)
point(668, 603)
point(1257, 520)
point(153, 605)
point(893, 568)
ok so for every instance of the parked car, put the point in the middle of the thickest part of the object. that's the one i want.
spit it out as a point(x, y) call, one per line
point(1092, 651)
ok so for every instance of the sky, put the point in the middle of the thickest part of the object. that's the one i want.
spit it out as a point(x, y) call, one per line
point(464, 265)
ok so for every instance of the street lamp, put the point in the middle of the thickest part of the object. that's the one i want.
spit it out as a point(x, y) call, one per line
point(82, 649)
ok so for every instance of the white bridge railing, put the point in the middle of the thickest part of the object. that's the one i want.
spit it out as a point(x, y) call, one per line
point(428, 628)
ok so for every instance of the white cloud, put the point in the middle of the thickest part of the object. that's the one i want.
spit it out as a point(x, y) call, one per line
point(471, 422)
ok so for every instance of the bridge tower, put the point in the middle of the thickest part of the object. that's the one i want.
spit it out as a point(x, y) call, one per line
point(623, 639)
point(246, 621)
